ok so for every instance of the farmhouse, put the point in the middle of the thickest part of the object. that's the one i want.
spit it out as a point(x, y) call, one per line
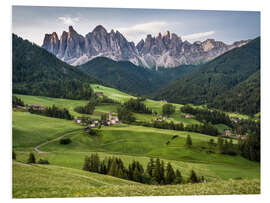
point(188, 115)
point(37, 107)
point(95, 121)
point(21, 107)
point(164, 101)
point(227, 133)
point(113, 119)
point(161, 118)
point(99, 93)
point(78, 120)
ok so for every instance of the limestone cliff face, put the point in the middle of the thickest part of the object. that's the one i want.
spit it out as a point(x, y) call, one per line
point(167, 50)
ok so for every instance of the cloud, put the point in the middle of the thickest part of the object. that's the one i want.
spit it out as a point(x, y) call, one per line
point(198, 35)
point(139, 31)
point(68, 20)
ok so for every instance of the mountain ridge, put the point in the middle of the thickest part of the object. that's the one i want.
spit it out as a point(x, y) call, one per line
point(166, 50)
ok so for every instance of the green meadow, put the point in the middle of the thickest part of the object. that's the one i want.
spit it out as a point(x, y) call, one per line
point(129, 142)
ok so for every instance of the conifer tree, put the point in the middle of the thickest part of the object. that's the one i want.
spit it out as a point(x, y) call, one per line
point(157, 172)
point(162, 173)
point(86, 165)
point(150, 167)
point(136, 175)
point(31, 159)
point(178, 177)
point(170, 175)
point(113, 168)
point(193, 177)
point(188, 141)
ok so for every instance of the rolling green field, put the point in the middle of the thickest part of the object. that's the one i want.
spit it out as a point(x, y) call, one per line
point(129, 142)
point(112, 93)
point(45, 181)
point(29, 130)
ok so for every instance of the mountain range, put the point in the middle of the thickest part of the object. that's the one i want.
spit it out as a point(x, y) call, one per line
point(167, 50)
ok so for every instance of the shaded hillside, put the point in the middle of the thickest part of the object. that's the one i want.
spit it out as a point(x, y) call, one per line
point(215, 77)
point(243, 98)
point(35, 71)
point(128, 77)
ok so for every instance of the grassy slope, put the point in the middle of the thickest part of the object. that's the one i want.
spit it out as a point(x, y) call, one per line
point(154, 105)
point(54, 181)
point(136, 141)
point(49, 101)
point(29, 130)
point(127, 142)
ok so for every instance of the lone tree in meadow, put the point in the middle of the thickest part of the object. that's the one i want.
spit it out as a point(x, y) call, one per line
point(31, 159)
point(188, 141)
point(168, 109)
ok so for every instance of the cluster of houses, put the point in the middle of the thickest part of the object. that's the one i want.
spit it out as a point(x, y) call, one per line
point(228, 133)
point(187, 115)
point(27, 107)
point(92, 122)
point(161, 118)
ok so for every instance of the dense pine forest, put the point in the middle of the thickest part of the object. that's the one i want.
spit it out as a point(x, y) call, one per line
point(243, 98)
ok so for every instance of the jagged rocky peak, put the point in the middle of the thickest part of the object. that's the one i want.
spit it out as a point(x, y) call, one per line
point(112, 32)
point(76, 49)
point(99, 28)
point(51, 43)
point(167, 50)
point(167, 34)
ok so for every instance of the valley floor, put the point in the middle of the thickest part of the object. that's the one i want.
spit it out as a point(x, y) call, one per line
point(64, 176)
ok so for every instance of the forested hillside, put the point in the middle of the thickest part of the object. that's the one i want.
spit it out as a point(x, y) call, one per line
point(243, 98)
point(35, 71)
point(216, 77)
point(130, 78)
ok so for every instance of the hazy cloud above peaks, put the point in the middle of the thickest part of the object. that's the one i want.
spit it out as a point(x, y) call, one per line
point(68, 20)
point(139, 31)
point(198, 36)
point(32, 22)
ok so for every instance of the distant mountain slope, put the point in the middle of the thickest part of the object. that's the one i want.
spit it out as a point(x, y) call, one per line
point(130, 78)
point(243, 98)
point(35, 71)
point(215, 77)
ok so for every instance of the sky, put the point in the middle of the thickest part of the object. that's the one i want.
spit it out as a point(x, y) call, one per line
point(33, 23)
